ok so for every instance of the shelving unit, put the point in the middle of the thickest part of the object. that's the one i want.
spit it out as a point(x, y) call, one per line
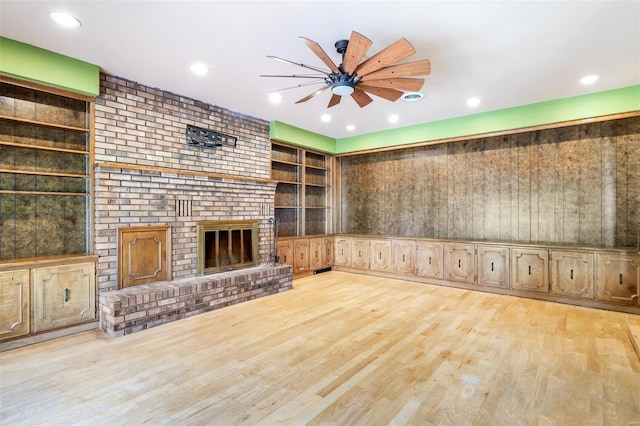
point(302, 199)
point(45, 172)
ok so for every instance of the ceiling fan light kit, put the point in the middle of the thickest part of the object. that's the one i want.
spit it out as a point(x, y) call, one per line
point(376, 75)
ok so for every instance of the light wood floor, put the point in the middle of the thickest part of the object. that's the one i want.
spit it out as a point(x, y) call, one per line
point(340, 349)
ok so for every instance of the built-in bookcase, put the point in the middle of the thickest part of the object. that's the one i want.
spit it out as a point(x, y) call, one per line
point(45, 171)
point(303, 193)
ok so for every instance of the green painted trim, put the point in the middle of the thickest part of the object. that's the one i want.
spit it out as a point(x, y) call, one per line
point(43, 66)
point(610, 102)
point(296, 136)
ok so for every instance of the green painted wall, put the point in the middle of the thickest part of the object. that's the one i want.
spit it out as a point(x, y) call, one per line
point(300, 137)
point(610, 102)
point(579, 107)
point(43, 66)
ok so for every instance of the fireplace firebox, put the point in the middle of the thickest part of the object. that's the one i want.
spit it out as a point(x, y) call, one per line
point(227, 245)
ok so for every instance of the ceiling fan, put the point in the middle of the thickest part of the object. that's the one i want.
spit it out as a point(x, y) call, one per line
point(376, 75)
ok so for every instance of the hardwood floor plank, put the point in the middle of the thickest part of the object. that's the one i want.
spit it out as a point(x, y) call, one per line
point(340, 348)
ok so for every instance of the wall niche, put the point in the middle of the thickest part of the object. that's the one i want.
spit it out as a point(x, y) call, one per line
point(574, 185)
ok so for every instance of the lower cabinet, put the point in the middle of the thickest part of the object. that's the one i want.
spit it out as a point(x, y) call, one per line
point(429, 260)
point(342, 252)
point(530, 270)
point(301, 256)
point(316, 253)
point(63, 295)
point(459, 262)
point(493, 266)
point(380, 255)
point(403, 254)
point(285, 252)
point(42, 295)
point(14, 303)
point(327, 252)
point(360, 253)
point(618, 278)
point(572, 274)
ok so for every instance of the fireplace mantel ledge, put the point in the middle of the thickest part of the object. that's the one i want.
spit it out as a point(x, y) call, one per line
point(180, 172)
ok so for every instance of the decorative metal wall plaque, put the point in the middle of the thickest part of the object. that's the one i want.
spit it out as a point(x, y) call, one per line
point(209, 138)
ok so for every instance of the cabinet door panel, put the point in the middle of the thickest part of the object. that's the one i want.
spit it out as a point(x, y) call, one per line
point(64, 295)
point(285, 251)
point(429, 260)
point(300, 256)
point(404, 253)
point(380, 255)
point(459, 262)
point(315, 253)
point(360, 254)
point(144, 255)
point(618, 278)
point(327, 252)
point(493, 266)
point(530, 270)
point(342, 252)
point(572, 274)
point(14, 303)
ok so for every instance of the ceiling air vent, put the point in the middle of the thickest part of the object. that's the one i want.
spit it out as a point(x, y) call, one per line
point(209, 138)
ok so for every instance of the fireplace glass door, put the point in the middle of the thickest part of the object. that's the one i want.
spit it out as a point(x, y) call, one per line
point(223, 246)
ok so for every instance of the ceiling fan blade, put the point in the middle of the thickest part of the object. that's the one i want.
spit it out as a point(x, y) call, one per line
point(361, 98)
point(317, 92)
point(398, 51)
point(315, 76)
point(422, 67)
point(408, 84)
point(388, 94)
point(356, 49)
point(300, 65)
point(335, 100)
point(309, 83)
point(315, 48)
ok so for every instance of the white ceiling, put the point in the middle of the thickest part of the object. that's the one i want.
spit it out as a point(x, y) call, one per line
point(508, 53)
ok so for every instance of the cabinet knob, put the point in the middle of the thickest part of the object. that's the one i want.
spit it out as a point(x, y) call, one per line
point(571, 274)
point(429, 260)
point(491, 266)
point(459, 263)
point(529, 269)
point(620, 279)
point(66, 294)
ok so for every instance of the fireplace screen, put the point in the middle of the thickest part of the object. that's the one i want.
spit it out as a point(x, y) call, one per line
point(223, 246)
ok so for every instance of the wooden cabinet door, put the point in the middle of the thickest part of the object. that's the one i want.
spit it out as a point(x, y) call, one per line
point(530, 270)
point(315, 253)
point(380, 255)
point(285, 252)
point(360, 253)
point(14, 303)
point(64, 295)
point(493, 266)
point(618, 278)
point(327, 252)
point(342, 252)
point(404, 257)
point(572, 274)
point(459, 262)
point(301, 256)
point(144, 255)
point(429, 259)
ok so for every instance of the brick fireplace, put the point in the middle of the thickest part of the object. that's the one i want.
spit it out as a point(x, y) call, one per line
point(146, 174)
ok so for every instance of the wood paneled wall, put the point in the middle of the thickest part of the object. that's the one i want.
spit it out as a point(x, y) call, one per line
point(577, 185)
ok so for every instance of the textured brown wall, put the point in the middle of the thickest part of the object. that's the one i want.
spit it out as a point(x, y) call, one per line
point(577, 185)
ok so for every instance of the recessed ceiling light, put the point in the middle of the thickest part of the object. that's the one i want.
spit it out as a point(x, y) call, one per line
point(65, 19)
point(275, 98)
point(325, 117)
point(199, 68)
point(351, 127)
point(473, 102)
point(412, 96)
point(589, 79)
point(393, 118)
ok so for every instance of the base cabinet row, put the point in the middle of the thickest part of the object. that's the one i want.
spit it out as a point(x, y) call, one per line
point(306, 255)
point(37, 299)
point(611, 276)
